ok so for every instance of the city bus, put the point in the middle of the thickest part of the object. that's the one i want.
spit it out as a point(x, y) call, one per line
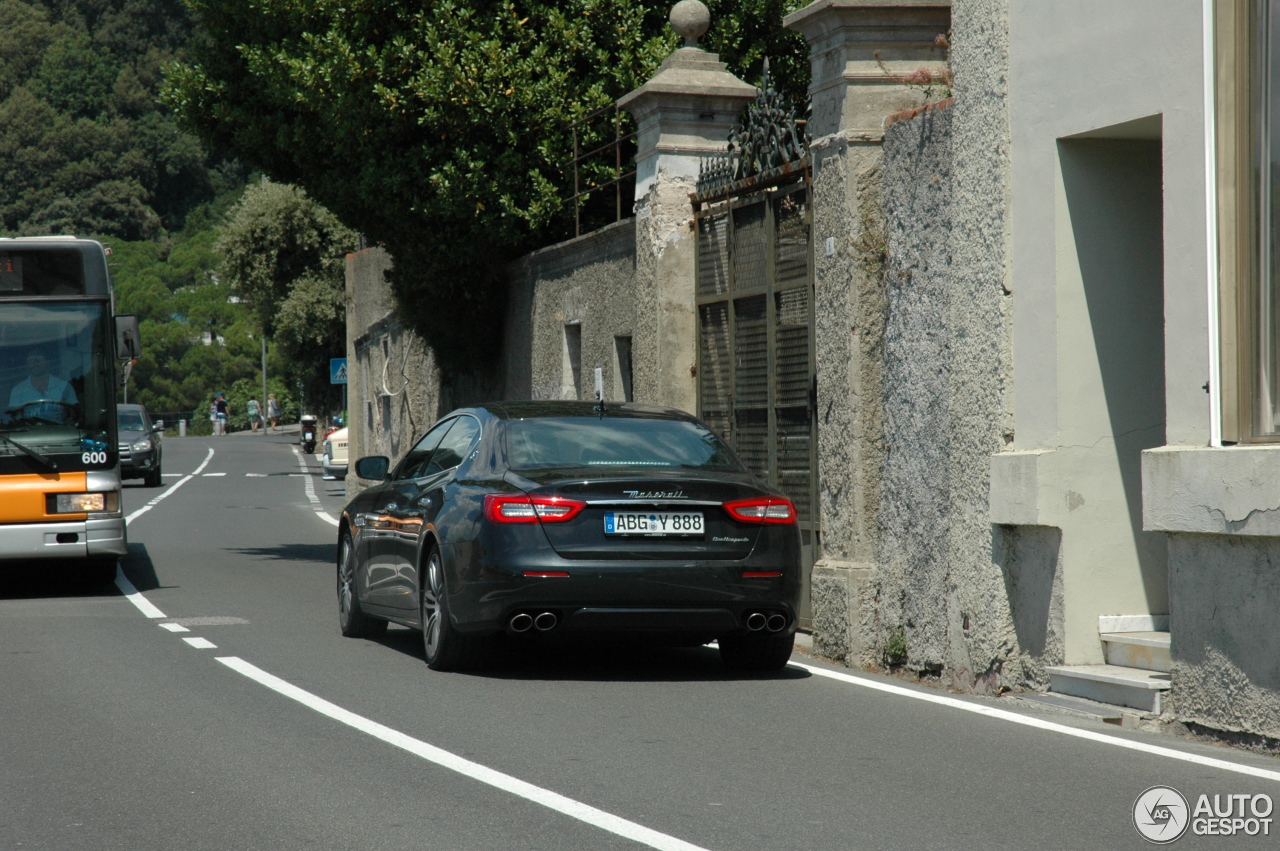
point(62, 351)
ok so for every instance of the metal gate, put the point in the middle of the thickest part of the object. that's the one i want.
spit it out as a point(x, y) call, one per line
point(755, 349)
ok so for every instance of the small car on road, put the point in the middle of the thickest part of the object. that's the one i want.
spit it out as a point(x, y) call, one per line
point(552, 520)
point(333, 458)
point(141, 450)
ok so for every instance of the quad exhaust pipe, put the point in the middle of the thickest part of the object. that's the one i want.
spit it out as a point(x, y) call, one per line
point(520, 622)
point(546, 621)
point(772, 621)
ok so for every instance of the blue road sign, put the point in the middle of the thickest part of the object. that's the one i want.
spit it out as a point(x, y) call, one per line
point(337, 370)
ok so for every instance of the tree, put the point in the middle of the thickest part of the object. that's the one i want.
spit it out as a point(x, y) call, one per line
point(284, 254)
point(440, 129)
point(85, 146)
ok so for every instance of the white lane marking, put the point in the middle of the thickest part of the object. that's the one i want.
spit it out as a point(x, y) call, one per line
point(256, 475)
point(171, 475)
point(310, 487)
point(1028, 721)
point(152, 504)
point(505, 782)
point(209, 475)
point(174, 627)
point(200, 643)
point(132, 594)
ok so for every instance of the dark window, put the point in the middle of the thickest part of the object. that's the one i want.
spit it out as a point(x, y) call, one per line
point(455, 446)
point(617, 442)
point(622, 351)
point(416, 461)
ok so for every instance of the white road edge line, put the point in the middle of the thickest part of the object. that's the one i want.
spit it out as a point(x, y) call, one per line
point(1029, 721)
point(133, 595)
point(505, 782)
point(152, 504)
point(309, 487)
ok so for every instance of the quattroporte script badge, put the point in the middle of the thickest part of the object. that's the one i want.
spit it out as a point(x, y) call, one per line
point(1160, 814)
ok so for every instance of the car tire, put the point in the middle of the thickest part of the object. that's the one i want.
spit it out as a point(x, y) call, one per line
point(445, 648)
point(99, 570)
point(756, 652)
point(153, 478)
point(352, 620)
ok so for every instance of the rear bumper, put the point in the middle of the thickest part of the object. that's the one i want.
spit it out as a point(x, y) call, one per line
point(73, 539)
point(706, 599)
point(333, 470)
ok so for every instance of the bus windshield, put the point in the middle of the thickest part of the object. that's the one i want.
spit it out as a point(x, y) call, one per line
point(55, 378)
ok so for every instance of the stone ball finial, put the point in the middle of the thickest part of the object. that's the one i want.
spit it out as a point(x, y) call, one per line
point(691, 19)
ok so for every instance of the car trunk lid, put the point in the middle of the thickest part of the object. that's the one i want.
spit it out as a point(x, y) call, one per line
point(669, 516)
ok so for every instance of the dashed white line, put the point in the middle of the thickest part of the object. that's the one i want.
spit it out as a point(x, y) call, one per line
point(1029, 721)
point(152, 504)
point(310, 487)
point(212, 475)
point(132, 594)
point(200, 643)
point(505, 782)
point(174, 627)
point(256, 475)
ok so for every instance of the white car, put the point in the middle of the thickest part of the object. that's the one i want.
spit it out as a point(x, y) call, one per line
point(333, 460)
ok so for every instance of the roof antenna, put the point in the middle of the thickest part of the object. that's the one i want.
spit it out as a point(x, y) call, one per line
point(599, 408)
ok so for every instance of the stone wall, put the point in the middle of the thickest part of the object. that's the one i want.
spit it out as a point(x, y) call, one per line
point(394, 387)
point(587, 287)
point(1225, 647)
point(951, 594)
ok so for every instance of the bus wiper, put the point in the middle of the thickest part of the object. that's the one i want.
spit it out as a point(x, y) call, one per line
point(48, 462)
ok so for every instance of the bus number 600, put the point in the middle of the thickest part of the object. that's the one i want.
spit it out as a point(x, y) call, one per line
point(94, 457)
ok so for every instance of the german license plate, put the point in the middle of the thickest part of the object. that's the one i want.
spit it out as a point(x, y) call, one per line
point(653, 523)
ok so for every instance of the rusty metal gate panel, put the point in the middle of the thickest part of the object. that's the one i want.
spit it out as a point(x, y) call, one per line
point(755, 349)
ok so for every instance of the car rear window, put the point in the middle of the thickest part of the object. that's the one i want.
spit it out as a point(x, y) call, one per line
point(614, 442)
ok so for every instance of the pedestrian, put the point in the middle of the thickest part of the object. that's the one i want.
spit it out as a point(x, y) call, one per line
point(251, 408)
point(273, 411)
point(221, 412)
point(213, 417)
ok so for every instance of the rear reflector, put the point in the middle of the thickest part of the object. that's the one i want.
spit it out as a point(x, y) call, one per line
point(762, 509)
point(546, 574)
point(761, 574)
point(511, 508)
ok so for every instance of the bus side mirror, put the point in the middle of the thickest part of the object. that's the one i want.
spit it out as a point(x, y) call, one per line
point(128, 341)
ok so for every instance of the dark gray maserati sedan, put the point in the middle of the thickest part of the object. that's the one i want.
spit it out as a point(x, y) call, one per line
point(537, 521)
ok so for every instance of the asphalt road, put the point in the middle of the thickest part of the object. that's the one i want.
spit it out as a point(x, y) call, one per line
point(116, 732)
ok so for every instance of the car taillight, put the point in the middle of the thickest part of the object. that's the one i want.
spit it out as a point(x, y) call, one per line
point(503, 508)
point(763, 509)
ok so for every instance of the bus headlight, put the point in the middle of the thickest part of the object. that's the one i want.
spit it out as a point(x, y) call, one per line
point(83, 503)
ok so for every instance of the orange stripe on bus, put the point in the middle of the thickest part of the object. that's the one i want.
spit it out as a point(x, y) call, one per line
point(22, 497)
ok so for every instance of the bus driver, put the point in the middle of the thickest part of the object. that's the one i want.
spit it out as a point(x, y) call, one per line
point(42, 386)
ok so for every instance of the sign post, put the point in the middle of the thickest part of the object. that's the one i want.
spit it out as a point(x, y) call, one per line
point(338, 375)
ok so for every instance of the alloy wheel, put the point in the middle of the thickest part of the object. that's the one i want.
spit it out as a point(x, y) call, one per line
point(431, 609)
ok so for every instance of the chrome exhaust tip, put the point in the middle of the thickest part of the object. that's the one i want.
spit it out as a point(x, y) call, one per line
point(520, 622)
point(545, 621)
point(756, 621)
point(776, 622)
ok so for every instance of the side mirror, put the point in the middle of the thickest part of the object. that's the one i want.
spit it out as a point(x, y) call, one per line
point(128, 341)
point(158, 427)
point(373, 467)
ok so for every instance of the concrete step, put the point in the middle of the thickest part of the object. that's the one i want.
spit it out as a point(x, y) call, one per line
point(1124, 716)
point(1113, 684)
point(1148, 651)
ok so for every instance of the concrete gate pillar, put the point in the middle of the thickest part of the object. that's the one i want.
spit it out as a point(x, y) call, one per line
point(859, 53)
point(685, 112)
